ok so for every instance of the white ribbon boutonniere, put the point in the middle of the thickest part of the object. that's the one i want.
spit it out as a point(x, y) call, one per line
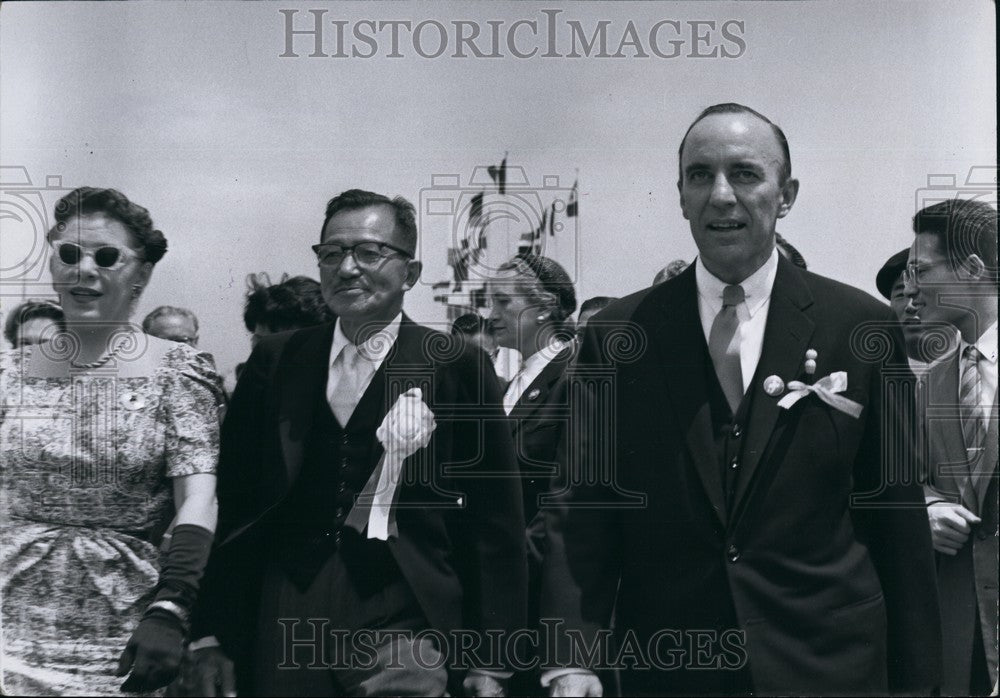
point(826, 389)
point(406, 429)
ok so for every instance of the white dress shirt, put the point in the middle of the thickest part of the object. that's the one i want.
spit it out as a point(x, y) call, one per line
point(752, 312)
point(371, 354)
point(530, 370)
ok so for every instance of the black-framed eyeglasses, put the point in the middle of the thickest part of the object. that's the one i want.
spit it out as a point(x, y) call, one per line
point(111, 257)
point(366, 254)
point(912, 273)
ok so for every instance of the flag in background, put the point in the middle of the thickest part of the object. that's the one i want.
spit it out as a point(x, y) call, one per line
point(476, 211)
point(499, 175)
point(572, 207)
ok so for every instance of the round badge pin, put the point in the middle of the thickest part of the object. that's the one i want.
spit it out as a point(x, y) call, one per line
point(133, 401)
point(534, 394)
point(774, 386)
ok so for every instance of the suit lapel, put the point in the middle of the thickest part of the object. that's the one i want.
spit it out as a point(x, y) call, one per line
point(990, 453)
point(786, 338)
point(536, 394)
point(302, 376)
point(670, 316)
point(949, 467)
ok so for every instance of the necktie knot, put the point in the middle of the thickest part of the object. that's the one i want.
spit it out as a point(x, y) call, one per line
point(732, 295)
point(972, 354)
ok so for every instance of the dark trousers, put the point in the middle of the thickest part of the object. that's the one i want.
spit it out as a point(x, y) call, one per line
point(329, 640)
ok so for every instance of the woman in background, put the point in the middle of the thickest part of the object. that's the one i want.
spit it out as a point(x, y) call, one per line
point(107, 435)
point(531, 299)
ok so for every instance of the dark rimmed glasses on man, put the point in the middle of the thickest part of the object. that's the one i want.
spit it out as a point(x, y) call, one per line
point(366, 254)
point(110, 257)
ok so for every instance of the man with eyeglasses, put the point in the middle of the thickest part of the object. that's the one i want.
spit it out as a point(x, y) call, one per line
point(751, 531)
point(950, 282)
point(315, 589)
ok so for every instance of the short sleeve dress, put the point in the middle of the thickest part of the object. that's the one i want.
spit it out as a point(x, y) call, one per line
point(85, 487)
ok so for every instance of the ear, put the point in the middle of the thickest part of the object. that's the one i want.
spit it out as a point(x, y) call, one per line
point(680, 190)
point(789, 192)
point(413, 269)
point(973, 268)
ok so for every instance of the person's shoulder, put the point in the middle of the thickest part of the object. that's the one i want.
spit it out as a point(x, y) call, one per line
point(625, 307)
point(189, 364)
point(836, 296)
point(280, 343)
point(12, 358)
point(439, 348)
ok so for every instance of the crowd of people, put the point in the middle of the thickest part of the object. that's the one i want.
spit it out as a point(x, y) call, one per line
point(744, 479)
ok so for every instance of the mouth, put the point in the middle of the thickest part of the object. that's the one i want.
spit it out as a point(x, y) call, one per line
point(84, 295)
point(726, 226)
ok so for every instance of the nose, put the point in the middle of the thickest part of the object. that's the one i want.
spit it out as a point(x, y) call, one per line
point(722, 192)
point(349, 266)
point(87, 267)
point(910, 288)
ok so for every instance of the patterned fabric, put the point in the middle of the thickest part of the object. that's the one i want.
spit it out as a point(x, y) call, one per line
point(85, 468)
point(973, 420)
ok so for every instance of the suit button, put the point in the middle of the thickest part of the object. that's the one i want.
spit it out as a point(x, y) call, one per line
point(735, 464)
point(343, 462)
point(342, 487)
point(339, 512)
point(736, 431)
point(336, 537)
point(733, 553)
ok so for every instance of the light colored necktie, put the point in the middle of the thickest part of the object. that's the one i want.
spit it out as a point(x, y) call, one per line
point(970, 388)
point(344, 395)
point(724, 346)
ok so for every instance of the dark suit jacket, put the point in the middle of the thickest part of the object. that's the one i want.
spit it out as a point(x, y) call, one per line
point(967, 582)
point(461, 541)
point(821, 596)
point(537, 424)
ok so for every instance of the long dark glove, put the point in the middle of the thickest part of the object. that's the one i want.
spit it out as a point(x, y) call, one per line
point(154, 653)
point(156, 647)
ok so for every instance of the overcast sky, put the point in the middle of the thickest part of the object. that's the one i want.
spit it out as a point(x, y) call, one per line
point(190, 110)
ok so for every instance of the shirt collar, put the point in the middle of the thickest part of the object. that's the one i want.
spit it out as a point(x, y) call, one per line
point(986, 344)
point(543, 355)
point(374, 349)
point(756, 287)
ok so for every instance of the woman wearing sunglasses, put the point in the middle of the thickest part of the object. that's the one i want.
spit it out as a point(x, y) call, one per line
point(107, 437)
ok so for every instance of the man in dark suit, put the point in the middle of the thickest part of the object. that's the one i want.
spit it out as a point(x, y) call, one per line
point(760, 547)
point(951, 281)
point(317, 588)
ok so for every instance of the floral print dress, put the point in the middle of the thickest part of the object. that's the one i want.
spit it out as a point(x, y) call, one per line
point(85, 497)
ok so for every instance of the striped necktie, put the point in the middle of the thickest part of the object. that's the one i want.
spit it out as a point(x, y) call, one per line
point(970, 388)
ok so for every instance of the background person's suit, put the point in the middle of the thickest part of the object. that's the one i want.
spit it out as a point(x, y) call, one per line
point(538, 426)
point(719, 524)
point(967, 581)
point(289, 474)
